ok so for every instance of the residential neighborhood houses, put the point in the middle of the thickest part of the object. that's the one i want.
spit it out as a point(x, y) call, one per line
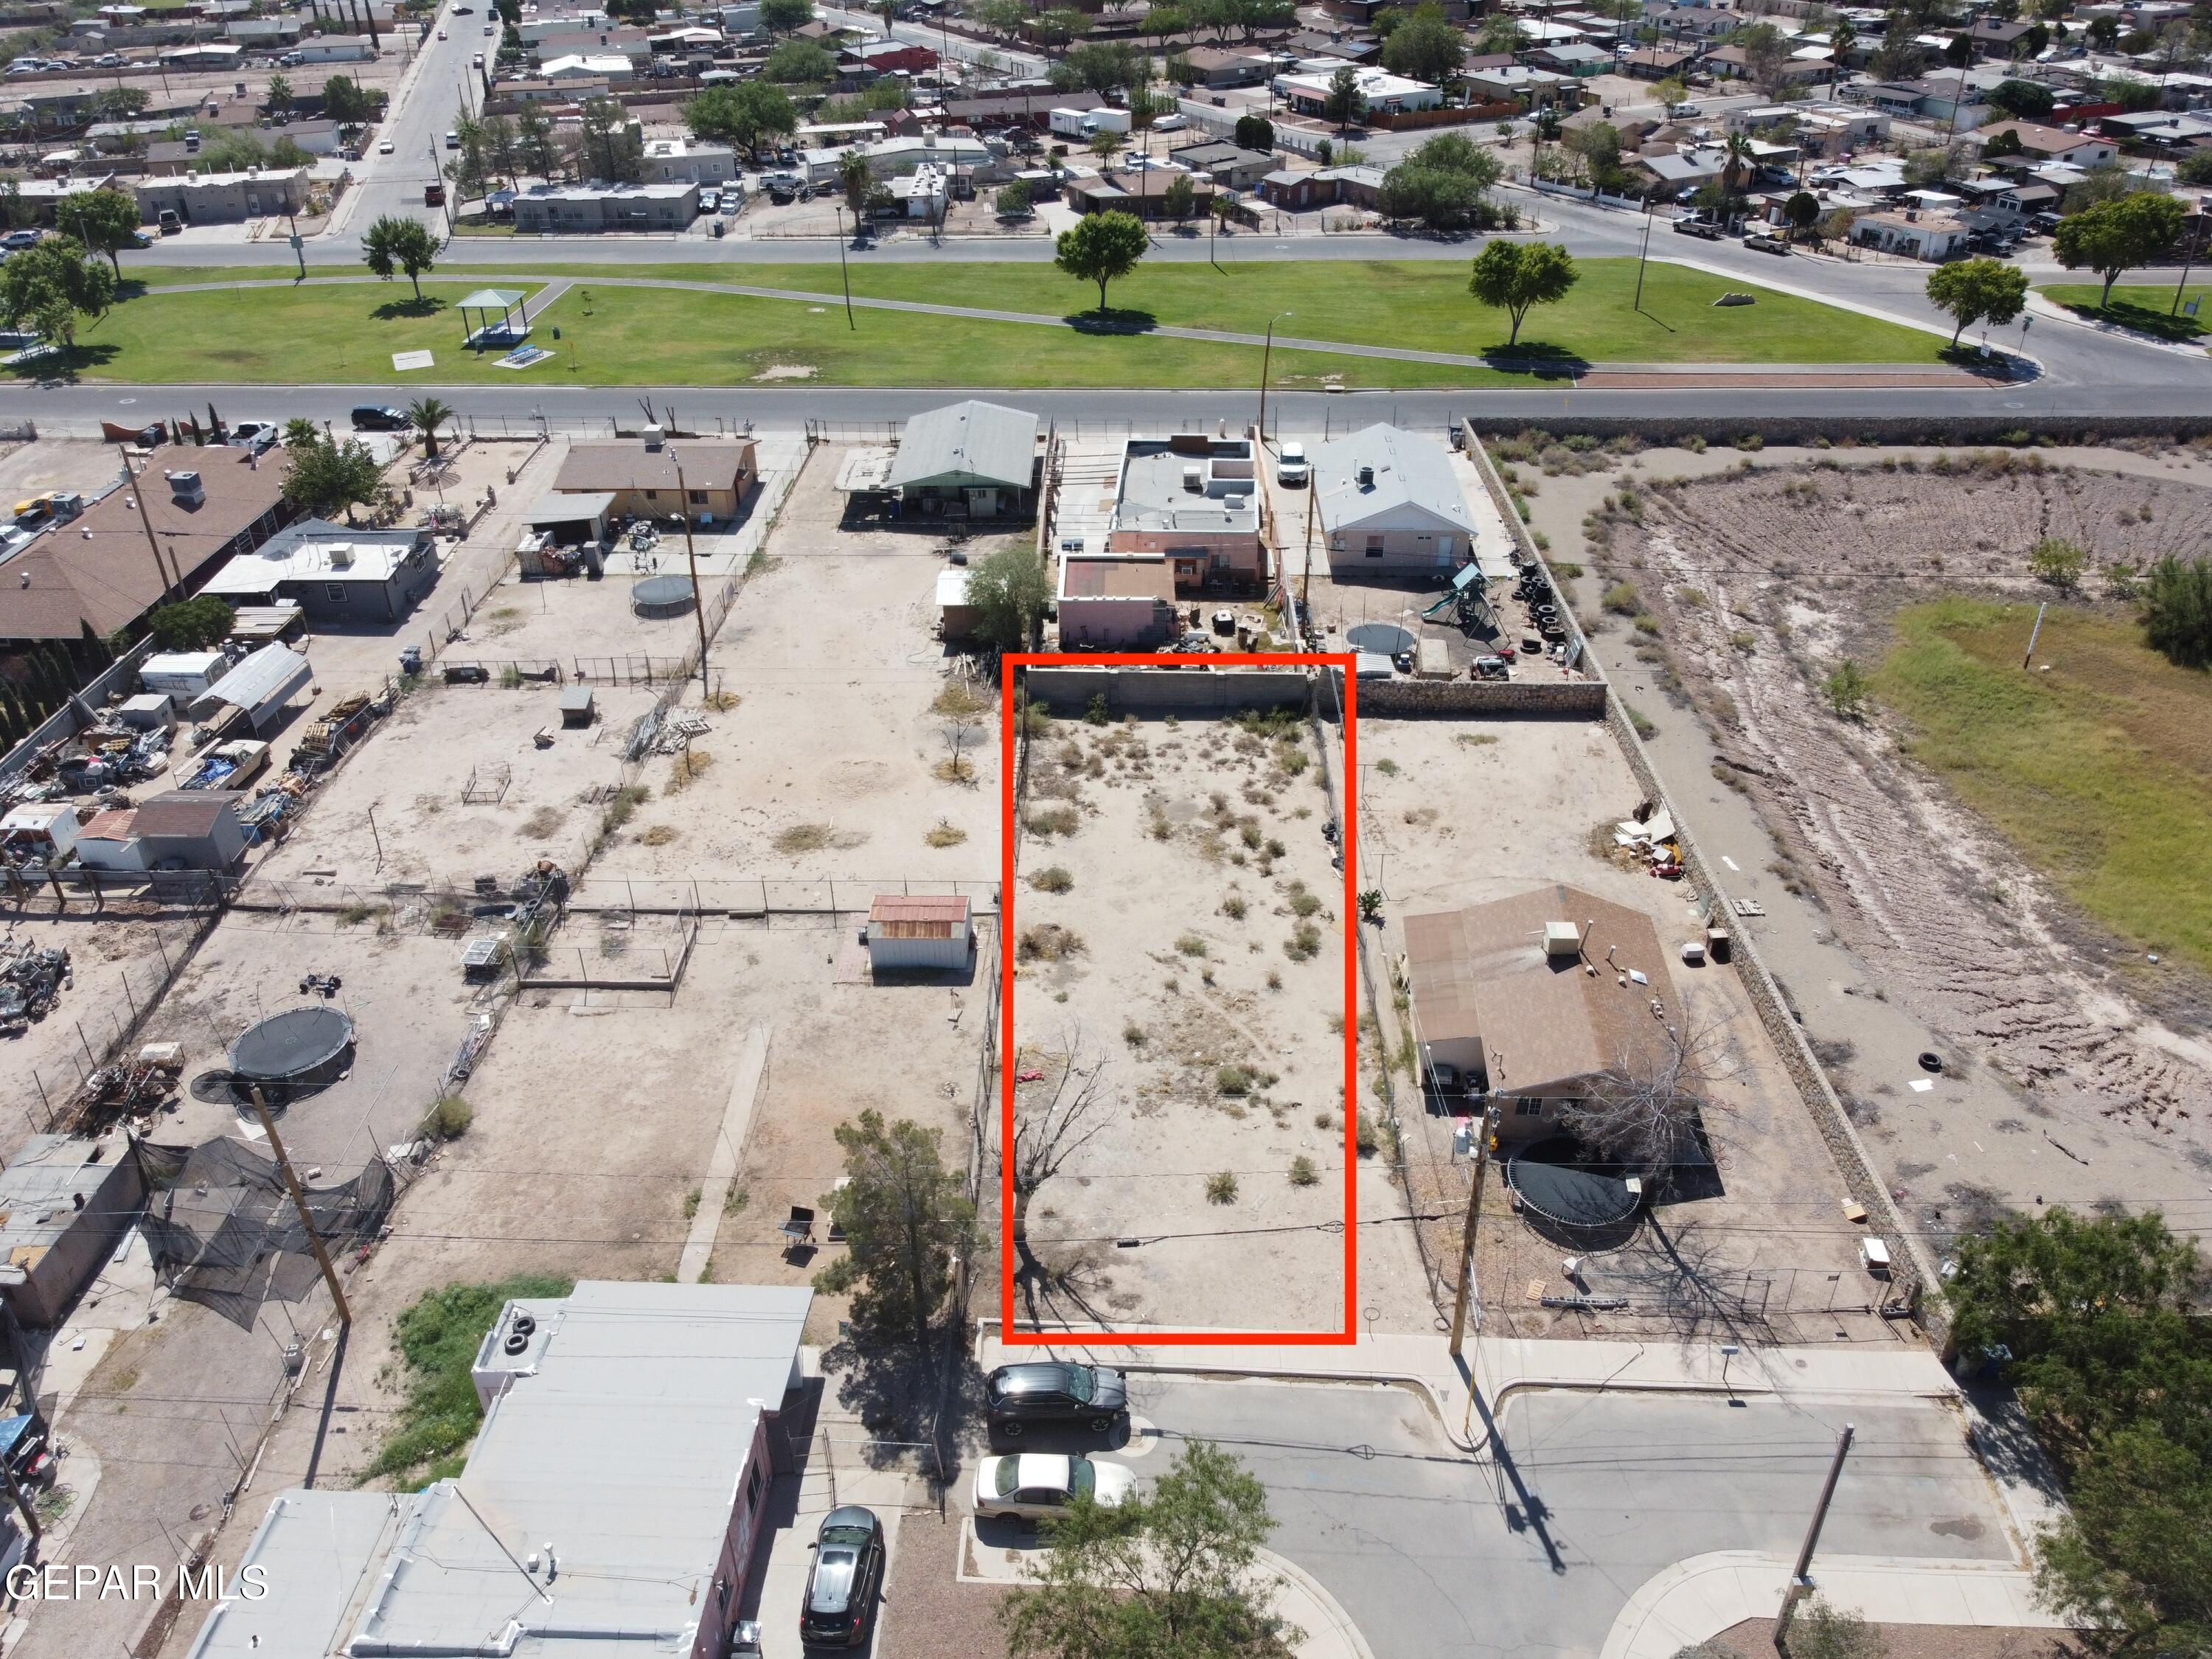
point(1359, 828)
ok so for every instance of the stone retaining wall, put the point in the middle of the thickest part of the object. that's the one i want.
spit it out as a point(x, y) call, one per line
point(1413, 698)
point(1960, 430)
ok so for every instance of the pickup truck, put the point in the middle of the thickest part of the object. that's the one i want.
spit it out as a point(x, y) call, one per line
point(1688, 227)
point(1760, 242)
point(434, 195)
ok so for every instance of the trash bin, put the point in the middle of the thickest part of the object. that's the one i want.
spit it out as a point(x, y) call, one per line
point(410, 659)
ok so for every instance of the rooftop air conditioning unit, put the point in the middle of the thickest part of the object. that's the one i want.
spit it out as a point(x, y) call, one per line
point(655, 437)
point(1193, 479)
point(342, 558)
point(187, 489)
point(1367, 477)
point(1562, 938)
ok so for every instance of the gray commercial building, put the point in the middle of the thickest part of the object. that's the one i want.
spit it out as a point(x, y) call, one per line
point(63, 1202)
point(223, 199)
point(976, 457)
point(1389, 501)
point(545, 211)
point(631, 1434)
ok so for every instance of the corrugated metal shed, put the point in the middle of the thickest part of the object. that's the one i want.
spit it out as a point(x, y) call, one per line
point(971, 443)
point(261, 685)
point(918, 931)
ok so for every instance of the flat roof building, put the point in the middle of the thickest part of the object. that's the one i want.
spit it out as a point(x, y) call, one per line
point(333, 572)
point(1195, 500)
point(63, 1202)
point(631, 1433)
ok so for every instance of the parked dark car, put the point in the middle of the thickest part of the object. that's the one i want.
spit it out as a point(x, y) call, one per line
point(1054, 1392)
point(841, 1584)
point(380, 418)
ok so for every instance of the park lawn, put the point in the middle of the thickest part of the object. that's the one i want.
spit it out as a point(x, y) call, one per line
point(2098, 771)
point(346, 332)
point(1418, 303)
point(339, 333)
point(1407, 303)
point(2148, 306)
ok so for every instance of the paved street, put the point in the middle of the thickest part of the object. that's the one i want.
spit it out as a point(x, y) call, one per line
point(1432, 1552)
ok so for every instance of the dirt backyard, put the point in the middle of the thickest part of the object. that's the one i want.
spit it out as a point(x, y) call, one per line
point(2076, 1065)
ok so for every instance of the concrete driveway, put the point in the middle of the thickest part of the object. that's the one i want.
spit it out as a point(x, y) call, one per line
point(1431, 1552)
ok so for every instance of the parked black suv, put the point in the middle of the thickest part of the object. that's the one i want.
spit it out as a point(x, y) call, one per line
point(842, 1585)
point(1054, 1392)
point(380, 418)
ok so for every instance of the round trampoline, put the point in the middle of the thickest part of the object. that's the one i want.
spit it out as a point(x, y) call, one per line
point(298, 1049)
point(1580, 1199)
point(661, 596)
point(1385, 639)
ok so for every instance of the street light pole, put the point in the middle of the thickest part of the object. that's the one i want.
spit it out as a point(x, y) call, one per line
point(844, 269)
point(1467, 1233)
point(1266, 358)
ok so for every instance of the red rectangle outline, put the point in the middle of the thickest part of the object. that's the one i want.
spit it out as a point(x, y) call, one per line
point(1348, 830)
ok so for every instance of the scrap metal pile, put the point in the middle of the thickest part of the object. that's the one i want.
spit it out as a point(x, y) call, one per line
point(31, 982)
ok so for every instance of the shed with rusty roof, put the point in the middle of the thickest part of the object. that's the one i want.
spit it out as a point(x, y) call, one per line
point(909, 931)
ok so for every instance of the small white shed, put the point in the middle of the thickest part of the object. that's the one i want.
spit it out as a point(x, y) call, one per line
point(906, 932)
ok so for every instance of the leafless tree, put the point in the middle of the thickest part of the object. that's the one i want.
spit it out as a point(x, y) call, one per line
point(1064, 1114)
point(959, 730)
point(1642, 1110)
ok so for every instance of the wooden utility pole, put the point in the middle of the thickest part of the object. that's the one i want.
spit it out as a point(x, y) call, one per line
point(300, 1202)
point(135, 482)
point(1467, 1234)
point(691, 553)
point(1305, 582)
point(1799, 1583)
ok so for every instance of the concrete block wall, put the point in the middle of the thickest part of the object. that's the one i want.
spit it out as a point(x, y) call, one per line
point(1586, 698)
point(1068, 691)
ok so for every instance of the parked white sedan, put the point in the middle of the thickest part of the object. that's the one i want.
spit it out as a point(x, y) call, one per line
point(1035, 1486)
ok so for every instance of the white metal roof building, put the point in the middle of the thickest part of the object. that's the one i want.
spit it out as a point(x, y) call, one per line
point(629, 1439)
point(1389, 500)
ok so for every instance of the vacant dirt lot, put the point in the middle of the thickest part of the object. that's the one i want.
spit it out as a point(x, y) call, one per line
point(1457, 812)
point(1181, 927)
point(1759, 585)
point(431, 824)
point(835, 761)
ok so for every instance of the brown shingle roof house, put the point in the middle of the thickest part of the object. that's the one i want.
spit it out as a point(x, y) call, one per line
point(718, 474)
point(1503, 991)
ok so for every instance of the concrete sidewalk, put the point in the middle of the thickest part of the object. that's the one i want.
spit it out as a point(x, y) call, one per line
point(1297, 1596)
point(1695, 1600)
point(1500, 1366)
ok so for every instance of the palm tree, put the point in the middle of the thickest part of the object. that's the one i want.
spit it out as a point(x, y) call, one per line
point(428, 413)
point(1841, 38)
point(1737, 167)
point(852, 175)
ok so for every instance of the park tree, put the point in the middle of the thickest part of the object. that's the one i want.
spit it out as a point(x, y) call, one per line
point(395, 244)
point(1171, 1572)
point(191, 625)
point(2178, 610)
point(1008, 592)
point(1977, 291)
point(1101, 248)
point(427, 414)
point(52, 286)
point(1345, 103)
point(2115, 237)
point(104, 220)
point(1513, 276)
point(905, 1220)
point(781, 16)
point(1425, 47)
point(323, 475)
